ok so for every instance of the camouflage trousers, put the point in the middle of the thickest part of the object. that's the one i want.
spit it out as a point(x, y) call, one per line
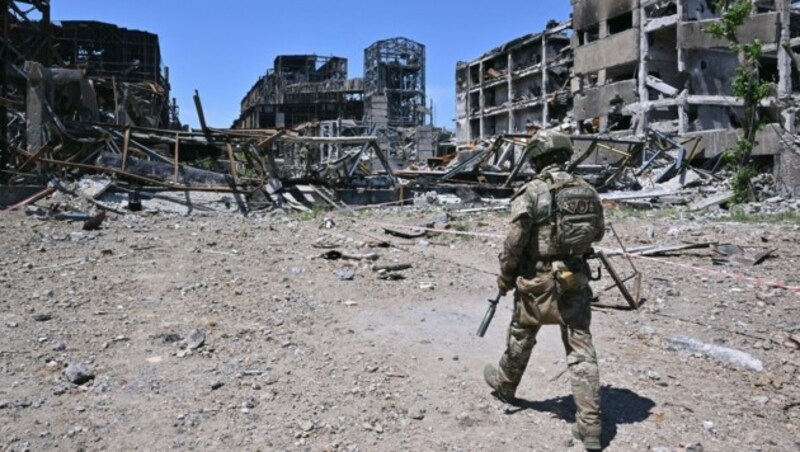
point(581, 357)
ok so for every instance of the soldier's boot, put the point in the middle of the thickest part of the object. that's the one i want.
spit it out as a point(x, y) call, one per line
point(502, 389)
point(590, 443)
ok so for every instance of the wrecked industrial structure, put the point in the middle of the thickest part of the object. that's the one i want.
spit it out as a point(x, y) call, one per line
point(308, 88)
point(300, 89)
point(642, 89)
point(394, 81)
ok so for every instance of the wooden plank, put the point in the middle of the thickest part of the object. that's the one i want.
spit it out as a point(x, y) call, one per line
point(126, 141)
point(177, 146)
point(229, 148)
point(711, 201)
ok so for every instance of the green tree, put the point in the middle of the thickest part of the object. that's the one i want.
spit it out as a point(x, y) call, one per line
point(748, 86)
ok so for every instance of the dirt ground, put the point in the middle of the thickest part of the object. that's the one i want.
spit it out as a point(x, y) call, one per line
point(217, 331)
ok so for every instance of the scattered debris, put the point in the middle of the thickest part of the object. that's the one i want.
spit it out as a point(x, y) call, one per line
point(345, 274)
point(735, 255)
point(390, 276)
point(729, 355)
point(194, 340)
point(405, 233)
point(336, 255)
point(94, 222)
point(78, 373)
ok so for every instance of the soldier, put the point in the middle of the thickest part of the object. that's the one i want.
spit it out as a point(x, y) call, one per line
point(555, 218)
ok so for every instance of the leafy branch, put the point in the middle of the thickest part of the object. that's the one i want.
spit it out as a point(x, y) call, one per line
point(748, 86)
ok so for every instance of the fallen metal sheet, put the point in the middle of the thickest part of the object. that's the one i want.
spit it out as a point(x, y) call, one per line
point(665, 249)
point(711, 201)
point(735, 255)
point(623, 195)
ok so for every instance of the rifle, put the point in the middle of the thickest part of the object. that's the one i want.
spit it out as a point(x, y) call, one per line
point(487, 318)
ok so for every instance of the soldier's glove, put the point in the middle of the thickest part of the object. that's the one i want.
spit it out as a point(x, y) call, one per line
point(505, 285)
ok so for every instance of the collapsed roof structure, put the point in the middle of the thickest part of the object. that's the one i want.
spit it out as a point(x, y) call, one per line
point(642, 90)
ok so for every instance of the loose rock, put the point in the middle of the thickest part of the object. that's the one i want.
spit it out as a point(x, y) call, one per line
point(78, 373)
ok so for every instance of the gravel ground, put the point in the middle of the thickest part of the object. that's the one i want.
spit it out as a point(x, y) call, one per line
point(163, 331)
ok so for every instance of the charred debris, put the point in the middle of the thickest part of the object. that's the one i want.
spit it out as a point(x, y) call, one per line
point(636, 84)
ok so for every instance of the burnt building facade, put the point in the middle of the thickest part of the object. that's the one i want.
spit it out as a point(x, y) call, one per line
point(310, 88)
point(299, 89)
point(523, 83)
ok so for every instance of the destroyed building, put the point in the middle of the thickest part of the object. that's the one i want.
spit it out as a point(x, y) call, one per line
point(394, 81)
point(523, 82)
point(650, 65)
point(131, 59)
point(306, 88)
point(299, 89)
point(72, 80)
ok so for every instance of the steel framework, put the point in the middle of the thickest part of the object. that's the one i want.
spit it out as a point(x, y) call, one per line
point(395, 68)
point(25, 35)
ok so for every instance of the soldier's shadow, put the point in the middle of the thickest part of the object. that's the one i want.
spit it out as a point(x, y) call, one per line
point(619, 406)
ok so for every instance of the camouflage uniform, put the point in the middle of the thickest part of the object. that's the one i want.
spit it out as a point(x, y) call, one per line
point(521, 257)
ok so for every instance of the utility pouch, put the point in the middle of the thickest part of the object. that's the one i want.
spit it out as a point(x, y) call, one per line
point(538, 300)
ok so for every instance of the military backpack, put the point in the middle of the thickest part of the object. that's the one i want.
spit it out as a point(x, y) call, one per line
point(576, 215)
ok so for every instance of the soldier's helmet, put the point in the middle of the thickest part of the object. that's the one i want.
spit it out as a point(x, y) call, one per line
point(556, 146)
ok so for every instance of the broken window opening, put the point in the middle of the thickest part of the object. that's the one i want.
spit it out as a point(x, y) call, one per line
point(475, 128)
point(734, 120)
point(475, 74)
point(526, 57)
point(620, 73)
point(619, 122)
point(794, 24)
point(768, 6)
point(474, 102)
point(769, 115)
point(763, 163)
point(620, 23)
point(591, 34)
point(662, 9)
point(768, 69)
point(664, 114)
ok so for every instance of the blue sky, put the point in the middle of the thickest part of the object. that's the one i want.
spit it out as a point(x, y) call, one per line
point(221, 48)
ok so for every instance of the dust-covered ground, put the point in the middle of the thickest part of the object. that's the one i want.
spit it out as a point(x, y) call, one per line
point(217, 331)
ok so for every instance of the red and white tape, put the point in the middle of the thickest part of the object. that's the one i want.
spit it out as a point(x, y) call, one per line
point(754, 280)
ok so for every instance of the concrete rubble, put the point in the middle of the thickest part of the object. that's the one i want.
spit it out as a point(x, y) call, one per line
point(308, 134)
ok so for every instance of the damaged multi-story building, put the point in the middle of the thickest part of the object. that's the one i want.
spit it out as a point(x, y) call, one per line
point(299, 89)
point(640, 65)
point(523, 83)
